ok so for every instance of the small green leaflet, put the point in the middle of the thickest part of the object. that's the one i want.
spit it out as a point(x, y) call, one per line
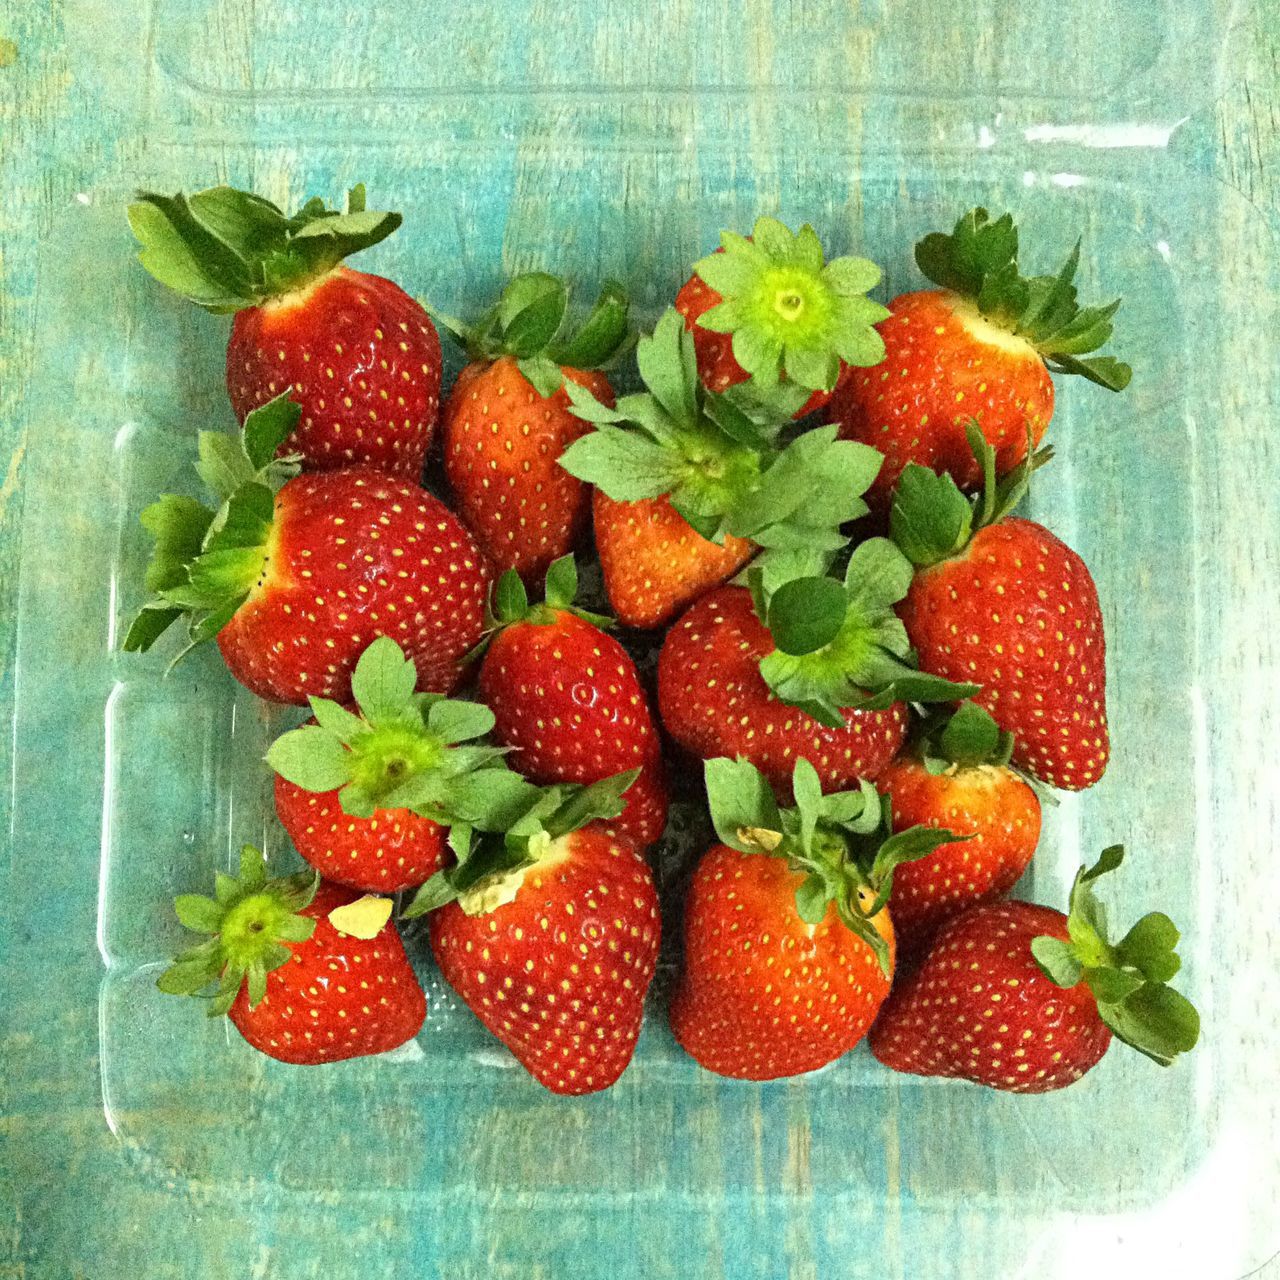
point(311, 758)
point(383, 682)
point(740, 799)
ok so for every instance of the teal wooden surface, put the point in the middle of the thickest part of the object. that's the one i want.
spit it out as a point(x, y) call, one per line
point(134, 1144)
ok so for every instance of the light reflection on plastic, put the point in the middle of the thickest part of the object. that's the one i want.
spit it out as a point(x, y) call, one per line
point(1105, 135)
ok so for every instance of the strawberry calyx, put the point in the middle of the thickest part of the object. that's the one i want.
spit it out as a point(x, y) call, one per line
point(951, 742)
point(528, 323)
point(791, 315)
point(1129, 979)
point(489, 872)
point(510, 604)
point(839, 644)
point(227, 250)
point(251, 920)
point(932, 520)
point(979, 261)
point(966, 738)
point(720, 458)
point(206, 561)
point(403, 750)
point(842, 842)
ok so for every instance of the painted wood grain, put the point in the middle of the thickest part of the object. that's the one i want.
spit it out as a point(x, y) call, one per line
point(714, 1180)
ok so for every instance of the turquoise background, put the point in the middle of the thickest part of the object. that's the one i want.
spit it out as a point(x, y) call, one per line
point(616, 138)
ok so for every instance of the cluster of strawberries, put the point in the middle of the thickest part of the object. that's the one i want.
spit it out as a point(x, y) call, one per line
point(876, 715)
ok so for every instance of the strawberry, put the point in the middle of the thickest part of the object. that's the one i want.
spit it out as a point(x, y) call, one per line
point(295, 586)
point(959, 775)
point(308, 971)
point(358, 354)
point(568, 700)
point(508, 419)
point(365, 792)
point(695, 481)
point(765, 307)
point(788, 948)
point(551, 938)
point(1025, 999)
point(1000, 601)
point(651, 556)
point(813, 670)
point(981, 348)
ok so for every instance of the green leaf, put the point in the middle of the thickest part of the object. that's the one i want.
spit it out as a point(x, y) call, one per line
point(268, 427)
point(878, 575)
point(807, 788)
point(1156, 1020)
point(1150, 947)
point(971, 736)
point(740, 799)
point(728, 274)
point(602, 799)
point(584, 405)
point(812, 898)
point(219, 577)
point(491, 799)
point(244, 520)
point(562, 583)
point(459, 721)
point(758, 351)
point(196, 912)
point(355, 800)
point(1106, 372)
point(909, 845)
point(510, 599)
point(603, 335)
point(294, 928)
point(852, 276)
point(337, 720)
point(185, 257)
point(311, 758)
point(438, 891)
point(623, 464)
point(668, 370)
point(544, 375)
point(253, 868)
point(815, 369)
point(178, 526)
point(222, 464)
point(1057, 960)
point(930, 519)
point(152, 622)
point(383, 683)
point(531, 311)
point(1111, 986)
point(806, 614)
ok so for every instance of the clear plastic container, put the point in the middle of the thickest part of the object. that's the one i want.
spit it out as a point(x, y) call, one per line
point(617, 139)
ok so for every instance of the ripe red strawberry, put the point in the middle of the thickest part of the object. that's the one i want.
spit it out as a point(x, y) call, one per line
point(653, 560)
point(788, 950)
point(999, 600)
point(815, 670)
point(308, 971)
point(364, 792)
point(766, 307)
point(958, 776)
point(567, 698)
point(358, 354)
point(296, 586)
point(693, 482)
point(1023, 999)
point(555, 953)
point(508, 419)
point(980, 348)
